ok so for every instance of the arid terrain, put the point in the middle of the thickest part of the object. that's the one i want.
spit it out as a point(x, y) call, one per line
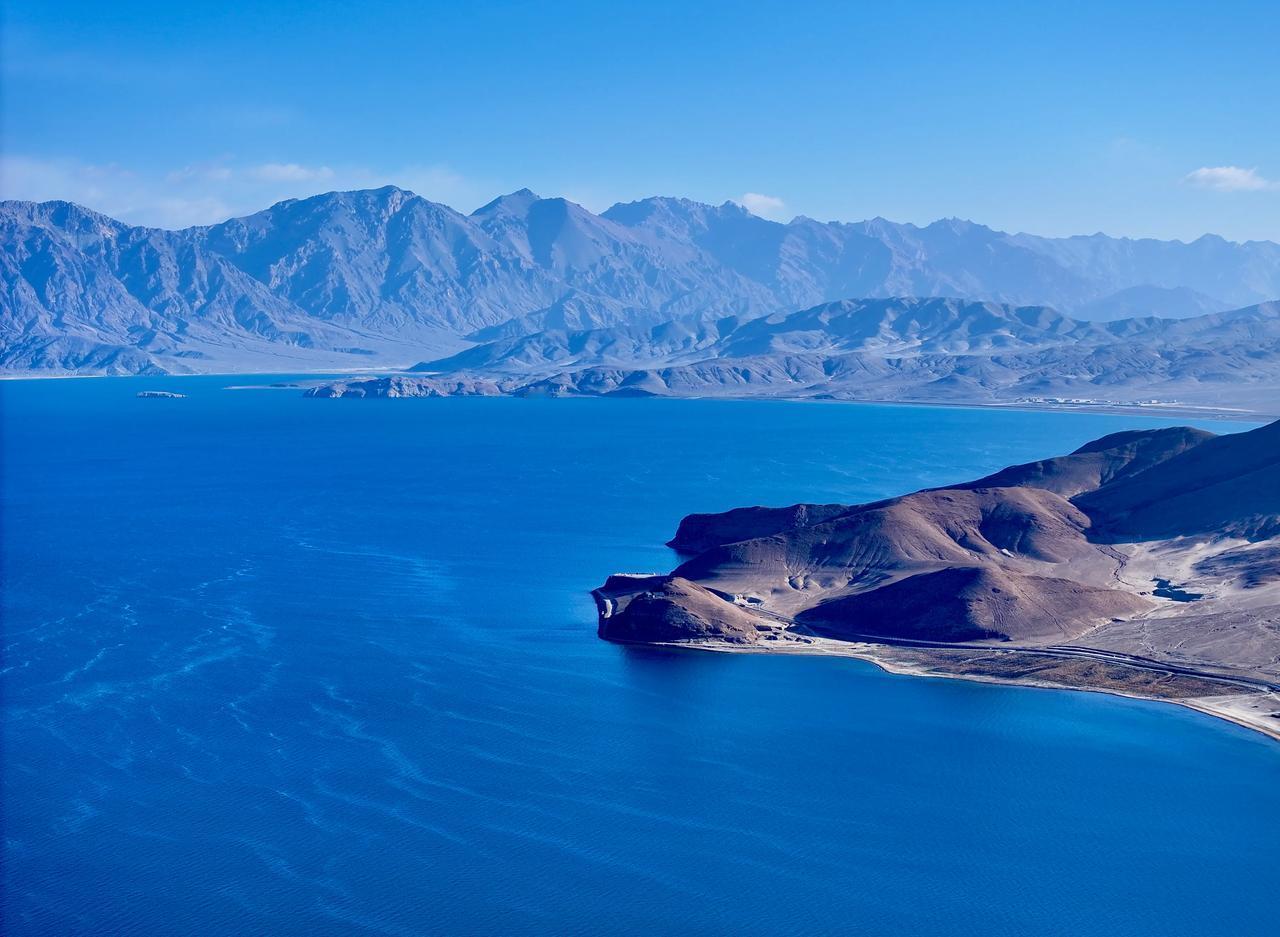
point(1146, 564)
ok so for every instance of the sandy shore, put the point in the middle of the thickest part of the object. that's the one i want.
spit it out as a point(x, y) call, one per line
point(1258, 710)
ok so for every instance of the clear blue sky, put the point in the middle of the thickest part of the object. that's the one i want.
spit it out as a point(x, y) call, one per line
point(1080, 118)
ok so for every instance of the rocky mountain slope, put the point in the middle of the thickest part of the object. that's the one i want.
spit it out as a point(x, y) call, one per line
point(1151, 550)
point(351, 279)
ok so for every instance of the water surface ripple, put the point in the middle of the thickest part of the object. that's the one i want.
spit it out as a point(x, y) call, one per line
point(288, 666)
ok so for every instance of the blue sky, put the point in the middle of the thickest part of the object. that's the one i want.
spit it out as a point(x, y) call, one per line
point(1143, 119)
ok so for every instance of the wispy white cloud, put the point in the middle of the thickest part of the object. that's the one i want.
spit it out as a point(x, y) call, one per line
point(290, 172)
point(766, 206)
point(214, 191)
point(1230, 179)
point(204, 172)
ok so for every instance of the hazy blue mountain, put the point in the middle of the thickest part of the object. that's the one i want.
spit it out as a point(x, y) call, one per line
point(637, 276)
point(384, 259)
point(807, 262)
point(1234, 273)
point(84, 292)
point(350, 279)
point(1170, 302)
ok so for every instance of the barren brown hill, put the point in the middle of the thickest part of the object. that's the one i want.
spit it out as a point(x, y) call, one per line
point(1229, 485)
point(670, 608)
point(971, 603)
point(1098, 463)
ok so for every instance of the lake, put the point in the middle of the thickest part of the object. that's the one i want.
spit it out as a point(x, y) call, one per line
point(284, 666)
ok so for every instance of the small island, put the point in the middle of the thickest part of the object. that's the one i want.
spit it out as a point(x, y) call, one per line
point(165, 394)
point(1145, 563)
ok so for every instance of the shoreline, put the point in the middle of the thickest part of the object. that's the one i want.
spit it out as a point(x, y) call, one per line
point(1148, 411)
point(874, 654)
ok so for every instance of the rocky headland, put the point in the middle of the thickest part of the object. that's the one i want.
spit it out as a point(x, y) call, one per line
point(1145, 563)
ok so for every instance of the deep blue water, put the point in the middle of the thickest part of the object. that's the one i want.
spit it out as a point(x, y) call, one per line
point(288, 666)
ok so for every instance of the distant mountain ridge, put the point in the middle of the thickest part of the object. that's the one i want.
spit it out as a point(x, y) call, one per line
point(890, 327)
point(901, 348)
point(886, 327)
point(385, 277)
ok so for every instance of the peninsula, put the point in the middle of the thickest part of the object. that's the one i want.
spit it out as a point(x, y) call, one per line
point(1145, 563)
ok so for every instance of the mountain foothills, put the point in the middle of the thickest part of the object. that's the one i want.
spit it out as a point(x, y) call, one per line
point(920, 350)
point(385, 278)
point(1145, 563)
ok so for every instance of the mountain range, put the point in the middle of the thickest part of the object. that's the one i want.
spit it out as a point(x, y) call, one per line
point(385, 278)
